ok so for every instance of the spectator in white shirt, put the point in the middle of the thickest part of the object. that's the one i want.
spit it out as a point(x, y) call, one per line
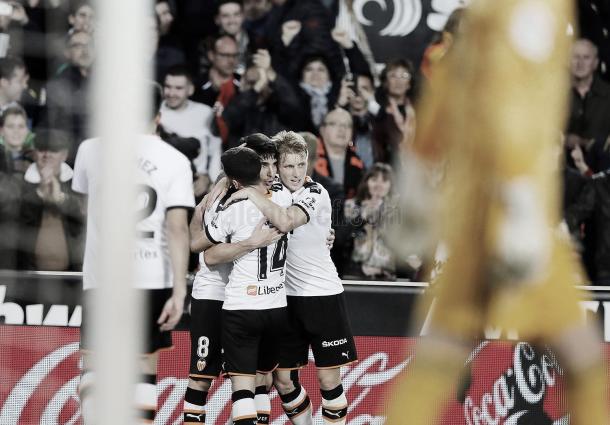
point(187, 118)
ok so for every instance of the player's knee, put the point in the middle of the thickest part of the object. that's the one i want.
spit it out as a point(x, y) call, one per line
point(329, 378)
point(200, 384)
point(283, 382)
point(264, 379)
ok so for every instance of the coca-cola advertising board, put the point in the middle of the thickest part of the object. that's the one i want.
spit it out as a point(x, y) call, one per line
point(505, 383)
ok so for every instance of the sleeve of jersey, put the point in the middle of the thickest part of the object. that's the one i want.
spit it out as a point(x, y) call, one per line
point(309, 201)
point(180, 193)
point(80, 182)
point(216, 229)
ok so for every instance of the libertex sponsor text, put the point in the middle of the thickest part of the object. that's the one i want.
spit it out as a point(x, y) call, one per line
point(254, 290)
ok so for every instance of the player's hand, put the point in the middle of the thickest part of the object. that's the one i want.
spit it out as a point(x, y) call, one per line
point(330, 239)
point(219, 190)
point(237, 196)
point(172, 312)
point(263, 235)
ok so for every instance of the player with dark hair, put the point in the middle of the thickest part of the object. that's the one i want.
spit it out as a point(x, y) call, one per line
point(316, 305)
point(209, 293)
point(255, 299)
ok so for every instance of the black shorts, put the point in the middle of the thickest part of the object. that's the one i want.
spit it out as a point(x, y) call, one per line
point(155, 339)
point(322, 323)
point(250, 340)
point(206, 351)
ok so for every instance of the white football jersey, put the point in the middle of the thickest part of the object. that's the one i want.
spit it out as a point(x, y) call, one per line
point(309, 269)
point(164, 181)
point(210, 281)
point(256, 281)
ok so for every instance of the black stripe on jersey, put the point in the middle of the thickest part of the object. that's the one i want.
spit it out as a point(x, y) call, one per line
point(276, 187)
point(173, 207)
point(209, 236)
point(313, 187)
point(224, 199)
point(224, 207)
point(304, 210)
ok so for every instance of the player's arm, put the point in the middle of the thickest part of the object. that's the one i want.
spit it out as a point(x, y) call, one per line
point(178, 245)
point(199, 241)
point(285, 219)
point(227, 252)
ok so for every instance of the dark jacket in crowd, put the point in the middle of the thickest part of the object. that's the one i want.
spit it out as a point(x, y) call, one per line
point(357, 64)
point(589, 115)
point(353, 169)
point(594, 203)
point(280, 111)
point(30, 220)
point(387, 137)
point(313, 39)
point(10, 195)
point(206, 93)
point(68, 106)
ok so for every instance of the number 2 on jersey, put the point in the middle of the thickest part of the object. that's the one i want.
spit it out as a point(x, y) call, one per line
point(278, 259)
point(146, 199)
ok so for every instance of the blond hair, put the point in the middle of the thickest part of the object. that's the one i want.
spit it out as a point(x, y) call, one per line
point(290, 142)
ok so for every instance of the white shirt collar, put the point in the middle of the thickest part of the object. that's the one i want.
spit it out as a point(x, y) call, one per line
point(33, 176)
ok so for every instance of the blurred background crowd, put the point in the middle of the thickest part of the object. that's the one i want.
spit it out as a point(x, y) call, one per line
point(230, 68)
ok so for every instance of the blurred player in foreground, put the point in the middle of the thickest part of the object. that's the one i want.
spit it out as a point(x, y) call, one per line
point(491, 119)
point(164, 194)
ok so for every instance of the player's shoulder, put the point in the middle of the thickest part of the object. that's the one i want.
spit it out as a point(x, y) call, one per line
point(152, 145)
point(88, 145)
point(313, 187)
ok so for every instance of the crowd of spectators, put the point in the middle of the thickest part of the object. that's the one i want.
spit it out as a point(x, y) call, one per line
point(230, 68)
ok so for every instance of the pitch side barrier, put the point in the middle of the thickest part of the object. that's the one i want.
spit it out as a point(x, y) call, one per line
point(510, 381)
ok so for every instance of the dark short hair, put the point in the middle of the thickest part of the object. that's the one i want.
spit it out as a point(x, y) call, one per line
point(180, 70)
point(365, 74)
point(51, 140)
point(75, 5)
point(241, 164)
point(8, 65)
point(316, 58)
point(261, 144)
point(221, 3)
point(397, 63)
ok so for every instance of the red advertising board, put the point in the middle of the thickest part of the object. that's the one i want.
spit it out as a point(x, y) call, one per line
point(508, 383)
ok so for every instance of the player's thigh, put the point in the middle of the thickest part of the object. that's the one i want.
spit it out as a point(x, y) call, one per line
point(241, 336)
point(206, 346)
point(327, 322)
point(155, 339)
point(293, 342)
point(274, 322)
point(154, 301)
